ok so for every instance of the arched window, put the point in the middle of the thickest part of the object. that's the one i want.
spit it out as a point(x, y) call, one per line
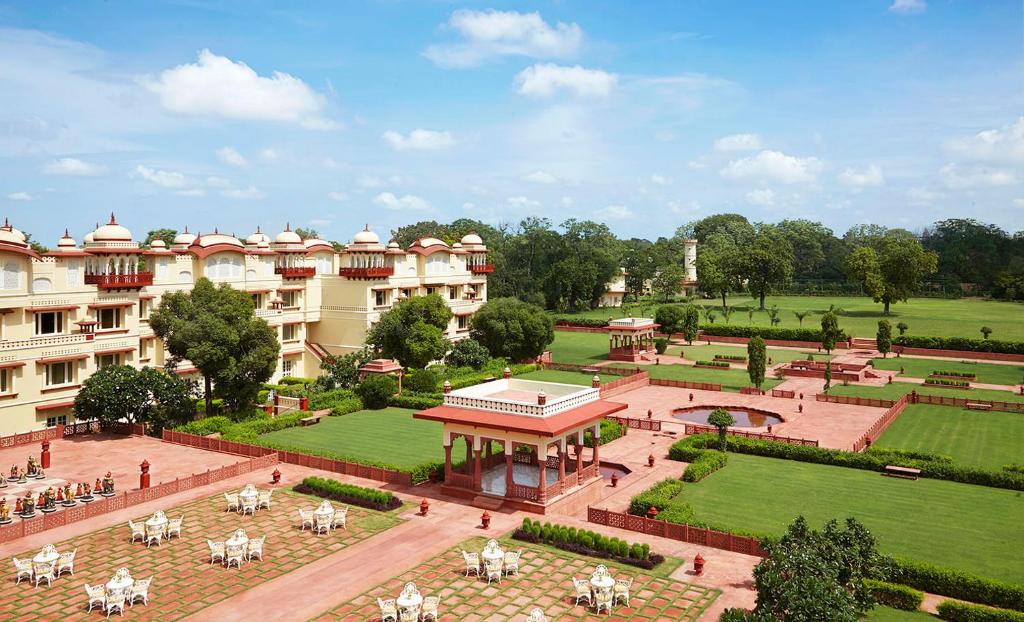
point(250, 275)
point(12, 275)
point(324, 264)
point(73, 278)
point(161, 268)
point(184, 276)
point(41, 285)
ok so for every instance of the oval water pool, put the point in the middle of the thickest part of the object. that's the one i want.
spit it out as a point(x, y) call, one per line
point(745, 417)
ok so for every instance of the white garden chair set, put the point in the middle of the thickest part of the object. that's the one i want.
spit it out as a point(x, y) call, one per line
point(493, 560)
point(248, 500)
point(121, 590)
point(324, 518)
point(602, 591)
point(410, 606)
point(236, 549)
point(156, 528)
point(46, 565)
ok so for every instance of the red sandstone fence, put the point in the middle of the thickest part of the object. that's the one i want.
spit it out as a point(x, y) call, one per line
point(379, 474)
point(961, 402)
point(634, 423)
point(686, 384)
point(625, 384)
point(610, 371)
point(784, 393)
point(840, 345)
point(960, 354)
point(696, 428)
point(71, 429)
point(35, 436)
point(129, 498)
point(751, 391)
point(853, 400)
point(881, 424)
point(685, 533)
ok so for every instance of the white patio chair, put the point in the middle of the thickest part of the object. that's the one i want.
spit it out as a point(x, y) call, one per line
point(216, 551)
point(66, 562)
point(603, 600)
point(22, 569)
point(536, 616)
point(43, 571)
point(49, 550)
point(323, 523)
point(621, 590)
point(140, 589)
point(232, 499)
point(154, 533)
point(409, 614)
point(340, 517)
point(116, 599)
point(174, 526)
point(493, 569)
point(123, 574)
point(97, 595)
point(234, 554)
point(472, 562)
point(430, 607)
point(138, 530)
point(307, 519)
point(512, 562)
point(388, 610)
point(249, 506)
point(264, 498)
point(582, 588)
point(255, 548)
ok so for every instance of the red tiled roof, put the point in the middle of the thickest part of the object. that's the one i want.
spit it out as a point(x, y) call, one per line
point(542, 426)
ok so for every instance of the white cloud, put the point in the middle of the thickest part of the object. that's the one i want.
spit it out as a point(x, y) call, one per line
point(421, 140)
point(368, 181)
point(540, 177)
point(468, 207)
point(191, 192)
point(774, 165)
point(490, 34)
point(220, 87)
point(406, 202)
point(522, 202)
point(337, 196)
point(614, 212)
point(229, 155)
point(543, 80)
point(765, 196)
point(955, 177)
point(164, 179)
point(249, 192)
point(738, 142)
point(218, 182)
point(907, 7)
point(871, 176)
point(923, 196)
point(270, 154)
point(74, 167)
point(660, 180)
point(1005, 144)
point(20, 196)
point(331, 163)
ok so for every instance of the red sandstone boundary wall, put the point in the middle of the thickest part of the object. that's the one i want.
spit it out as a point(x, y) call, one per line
point(35, 436)
point(840, 345)
point(856, 401)
point(290, 457)
point(942, 400)
point(685, 384)
point(102, 505)
point(653, 425)
point(615, 387)
point(611, 371)
point(72, 429)
point(684, 533)
point(569, 328)
point(696, 428)
point(960, 354)
point(881, 424)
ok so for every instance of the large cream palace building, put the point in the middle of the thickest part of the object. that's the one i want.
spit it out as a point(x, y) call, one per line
point(71, 311)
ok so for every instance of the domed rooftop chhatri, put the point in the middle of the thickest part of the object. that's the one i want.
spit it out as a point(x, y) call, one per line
point(14, 233)
point(157, 244)
point(66, 242)
point(256, 238)
point(366, 237)
point(112, 232)
point(287, 236)
point(184, 238)
point(471, 238)
point(216, 237)
point(428, 242)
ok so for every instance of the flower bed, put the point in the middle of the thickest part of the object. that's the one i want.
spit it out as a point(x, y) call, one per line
point(733, 358)
point(589, 543)
point(961, 375)
point(947, 384)
point(348, 493)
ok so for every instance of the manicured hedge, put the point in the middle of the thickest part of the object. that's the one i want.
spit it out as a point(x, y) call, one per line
point(960, 343)
point(955, 374)
point(290, 380)
point(707, 463)
point(874, 459)
point(731, 357)
point(416, 401)
point(340, 401)
point(348, 493)
point(944, 382)
point(895, 595)
point(588, 543)
point(955, 611)
point(660, 496)
point(581, 321)
point(722, 364)
point(610, 430)
point(957, 584)
point(207, 426)
point(785, 334)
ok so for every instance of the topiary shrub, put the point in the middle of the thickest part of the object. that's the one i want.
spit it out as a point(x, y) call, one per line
point(468, 353)
point(375, 390)
point(895, 595)
point(421, 381)
point(660, 345)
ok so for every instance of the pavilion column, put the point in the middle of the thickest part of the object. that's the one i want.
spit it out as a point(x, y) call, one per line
point(469, 454)
point(561, 460)
point(597, 445)
point(509, 452)
point(477, 451)
point(542, 464)
point(448, 457)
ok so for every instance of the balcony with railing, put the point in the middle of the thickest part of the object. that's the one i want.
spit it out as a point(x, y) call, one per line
point(481, 268)
point(375, 272)
point(133, 280)
point(295, 272)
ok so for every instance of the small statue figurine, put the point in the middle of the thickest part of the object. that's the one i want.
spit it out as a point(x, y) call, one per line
point(41, 502)
point(60, 495)
point(87, 489)
point(108, 484)
point(98, 487)
point(22, 478)
point(69, 498)
point(14, 471)
point(33, 466)
point(51, 498)
point(28, 505)
point(5, 511)
point(3, 481)
point(78, 491)
point(39, 473)
point(17, 505)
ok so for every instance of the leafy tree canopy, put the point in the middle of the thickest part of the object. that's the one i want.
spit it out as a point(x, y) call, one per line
point(413, 331)
point(512, 329)
point(124, 393)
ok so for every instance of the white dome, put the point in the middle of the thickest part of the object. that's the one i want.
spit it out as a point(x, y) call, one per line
point(288, 236)
point(472, 238)
point(112, 232)
point(457, 245)
point(256, 238)
point(428, 242)
point(15, 234)
point(218, 238)
point(184, 238)
point(157, 243)
point(10, 236)
point(66, 242)
point(263, 244)
point(366, 237)
point(393, 244)
point(87, 238)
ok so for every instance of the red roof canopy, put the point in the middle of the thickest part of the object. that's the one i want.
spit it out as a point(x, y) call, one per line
point(541, 426)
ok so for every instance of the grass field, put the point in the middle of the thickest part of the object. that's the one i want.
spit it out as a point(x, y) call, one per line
point(565, 377)
point(389, 436)
point(970, 437)
point(579, 348)
point(989, 373)
point(974, 528)
point(888, 614)
point(730, 379)
point(703, 352)
point(897, 390)
point(925, 316)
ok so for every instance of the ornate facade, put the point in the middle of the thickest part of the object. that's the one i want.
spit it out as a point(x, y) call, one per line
point(68, 312)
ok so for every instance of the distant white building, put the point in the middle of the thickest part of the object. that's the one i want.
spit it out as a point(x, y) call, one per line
point(615, 290)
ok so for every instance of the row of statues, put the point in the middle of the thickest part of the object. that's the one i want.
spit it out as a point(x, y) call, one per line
point(47, 500)
point(32, 470)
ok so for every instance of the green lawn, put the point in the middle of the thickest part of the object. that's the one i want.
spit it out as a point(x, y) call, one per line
point(975, 528)
point(388, 436)
point(897, 390)
point(925, 316)
point(730, 379)
point(566, 377)
point(989, 373)
point(970, 437)
point(703, 352)
point(579, 348)
point(888, 614)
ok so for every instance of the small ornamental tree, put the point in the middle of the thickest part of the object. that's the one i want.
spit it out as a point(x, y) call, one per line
point(773, 315)
point(413, 332)
point(903, 327)
point(830, 332)
point(800, 315)
point(727, 313)
point(124, 393)
point(757, 355)
point(828, 375)
point(670, 317)
point(375, 390)
point(468, 353)
point(884, 337)
point(691, 323)
point(986, 331)
point(721, 419)
point(343, 371)
point(513, 329)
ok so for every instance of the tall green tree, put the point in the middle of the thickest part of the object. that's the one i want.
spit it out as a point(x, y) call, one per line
point(513, 329)
point(891, 268)
point(719, 263)
point(668, 281)
point(670, 317)
point(691, 323)
point(342, 371)
point(757, 360)
point(830, 331)
point(767, 261)
point(124, 393)
point(413, 331)
point(216, 329)
point(884, 337)
point(721, 419)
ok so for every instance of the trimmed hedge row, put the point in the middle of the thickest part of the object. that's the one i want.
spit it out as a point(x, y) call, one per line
point(955, 374)
point(960, 343)
point(783, 334)
point(731, 357)
point(588, 543)
point(957, 584)
point(586, 322)
point(874, 459)
point(610, 430)
point(943, 382)
point(660, 496)
point(340, 401)
point(707, 463)
point(416, 401)
point(895, 595)
point(348, 493)
point(722, 364)
point(955, 611)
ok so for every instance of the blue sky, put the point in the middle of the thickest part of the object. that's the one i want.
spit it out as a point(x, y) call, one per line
point(640, 115)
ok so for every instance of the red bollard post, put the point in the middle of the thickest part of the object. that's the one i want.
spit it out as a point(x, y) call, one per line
point(44, 456)
point(144, 475)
